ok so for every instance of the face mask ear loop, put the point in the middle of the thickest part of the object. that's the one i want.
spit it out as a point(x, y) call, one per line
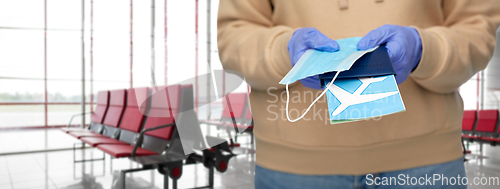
point(310, 106)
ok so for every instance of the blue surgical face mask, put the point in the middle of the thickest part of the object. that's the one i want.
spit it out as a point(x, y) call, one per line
point(315, 62)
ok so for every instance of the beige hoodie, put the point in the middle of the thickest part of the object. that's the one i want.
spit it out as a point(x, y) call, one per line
point(458, 37)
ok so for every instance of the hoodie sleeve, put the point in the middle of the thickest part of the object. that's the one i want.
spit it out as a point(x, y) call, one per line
point(463, 45)
point(250, 43)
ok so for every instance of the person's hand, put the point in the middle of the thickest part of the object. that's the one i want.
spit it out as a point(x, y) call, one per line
point(403, 45)
point(304, 39)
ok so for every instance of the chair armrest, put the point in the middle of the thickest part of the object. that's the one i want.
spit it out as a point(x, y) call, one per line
point(85, 113)
point(141, 135)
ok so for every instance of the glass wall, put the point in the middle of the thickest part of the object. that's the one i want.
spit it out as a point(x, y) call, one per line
point(469, 92)
point(41, 53)
point(124, 42)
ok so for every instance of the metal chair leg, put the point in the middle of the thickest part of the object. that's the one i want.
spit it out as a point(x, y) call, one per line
point(463, 147)
point(252, 139)
point(165, 181)
point(211, 177)
point(122, 179)
point(465, 150)
point(123, 172)
point(74, 152)
point(111, 165)
point(83, 160)
point(104, 163)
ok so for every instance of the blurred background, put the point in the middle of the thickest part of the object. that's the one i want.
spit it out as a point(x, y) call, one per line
point(48, 47)
point(55, 55)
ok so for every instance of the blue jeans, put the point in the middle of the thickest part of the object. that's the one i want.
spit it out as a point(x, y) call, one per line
point(444, 175)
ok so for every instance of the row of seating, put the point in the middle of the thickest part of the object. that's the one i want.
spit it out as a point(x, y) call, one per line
point(481, 126)
point(236, 116)
point(148, 132)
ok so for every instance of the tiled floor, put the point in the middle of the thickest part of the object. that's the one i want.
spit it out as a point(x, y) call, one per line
point(484, 165)
point(12, 141)
point(57, 170)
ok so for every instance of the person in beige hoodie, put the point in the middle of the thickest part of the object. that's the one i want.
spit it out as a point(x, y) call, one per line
point(456, 39)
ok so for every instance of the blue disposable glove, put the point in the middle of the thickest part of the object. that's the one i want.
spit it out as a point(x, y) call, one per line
point(403, 45)
point(304, 39)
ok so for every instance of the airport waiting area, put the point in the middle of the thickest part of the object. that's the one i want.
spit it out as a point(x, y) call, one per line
point(244, 94)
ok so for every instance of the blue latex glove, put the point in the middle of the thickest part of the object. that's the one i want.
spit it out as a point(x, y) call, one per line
point(304, 39)
point(403, 45)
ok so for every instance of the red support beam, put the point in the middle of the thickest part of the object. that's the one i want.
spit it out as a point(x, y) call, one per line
point(165, 41)
point(223, 83)
point(196, 58)
point(84, 100)
point(477, 91)
point(91, 54)
point(45, 63)
point(131, 42)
